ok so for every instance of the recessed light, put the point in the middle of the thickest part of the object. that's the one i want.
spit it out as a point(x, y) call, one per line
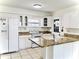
point(37, 6)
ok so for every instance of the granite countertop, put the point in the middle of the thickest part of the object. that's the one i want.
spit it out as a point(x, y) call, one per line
point(59, 41)
point(24, 33)
point(45, 32)
point(46, 41)
point(66, 39)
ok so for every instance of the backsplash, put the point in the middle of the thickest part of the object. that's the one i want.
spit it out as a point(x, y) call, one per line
point(28, 29)
point(73, 30)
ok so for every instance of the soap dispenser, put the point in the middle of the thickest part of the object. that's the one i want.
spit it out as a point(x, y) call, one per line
point(62, 33)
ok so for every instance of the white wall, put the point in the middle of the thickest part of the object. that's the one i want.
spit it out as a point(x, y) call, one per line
point(14, 10)
point(66, 10)
point(72, 10)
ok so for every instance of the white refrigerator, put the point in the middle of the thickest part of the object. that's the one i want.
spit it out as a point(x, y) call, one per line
point(8, 34)
point(3, 35)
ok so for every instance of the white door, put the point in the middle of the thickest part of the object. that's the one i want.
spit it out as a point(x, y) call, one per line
point(3, 35)
point(13, 33)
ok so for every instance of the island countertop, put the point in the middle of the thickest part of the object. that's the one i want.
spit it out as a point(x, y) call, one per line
point(45, 41)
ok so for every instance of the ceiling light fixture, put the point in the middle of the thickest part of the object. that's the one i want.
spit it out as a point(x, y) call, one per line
point(37, 6)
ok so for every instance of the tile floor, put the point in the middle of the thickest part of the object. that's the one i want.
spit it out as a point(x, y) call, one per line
point(32, 53)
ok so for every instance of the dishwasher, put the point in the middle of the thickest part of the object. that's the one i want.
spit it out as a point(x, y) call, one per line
point(35, 37)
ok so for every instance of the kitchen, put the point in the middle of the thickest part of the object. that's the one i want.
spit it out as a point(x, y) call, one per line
point(39, 29)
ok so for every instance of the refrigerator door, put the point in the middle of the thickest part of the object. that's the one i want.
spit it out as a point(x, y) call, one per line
point(13, 34)
point(3, 35)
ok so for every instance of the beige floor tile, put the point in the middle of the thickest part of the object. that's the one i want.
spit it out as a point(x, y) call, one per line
point(13, 55)
point(37, 50)
point(31, 51)
point(35, 56)
point(26, 57)
point(7, 56)
point(24, 53)
point(16, 58)
point(34, 53)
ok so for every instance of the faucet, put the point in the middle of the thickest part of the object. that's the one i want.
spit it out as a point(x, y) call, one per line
point(54, 36)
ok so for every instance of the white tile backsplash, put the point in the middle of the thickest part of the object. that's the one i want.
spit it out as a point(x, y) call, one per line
point(28, 29)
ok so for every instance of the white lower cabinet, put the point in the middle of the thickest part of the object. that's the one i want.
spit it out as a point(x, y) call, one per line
point(22, 42)
point(76, 50)
point(58, 52)
point(47, 52)
point(28, 43)
point(68, 51)
point(63, 51)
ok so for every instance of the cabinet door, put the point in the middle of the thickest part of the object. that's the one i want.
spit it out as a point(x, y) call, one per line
point(63, 51)
point(58, 52)
point(45, 20)
point(74, 21)
point(22, 43)
point(68, 51)
point(65, 21)
point(28, 43)
point(49, 22)
point(70, 20)
point(20, 21)
point(46, 23)
point(75, 50)
point(41, 22)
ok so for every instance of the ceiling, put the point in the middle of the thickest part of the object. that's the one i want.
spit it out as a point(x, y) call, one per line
point(48, 5)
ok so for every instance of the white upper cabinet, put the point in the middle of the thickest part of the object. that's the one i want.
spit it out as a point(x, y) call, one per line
point(74, 21)
point(70, 20)
point(35, 21)
point(23, 21)
point(65, 20)
point(46, 22)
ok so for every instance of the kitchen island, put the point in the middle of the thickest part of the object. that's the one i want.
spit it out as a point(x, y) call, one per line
point(63, 48)
point(46, 40)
